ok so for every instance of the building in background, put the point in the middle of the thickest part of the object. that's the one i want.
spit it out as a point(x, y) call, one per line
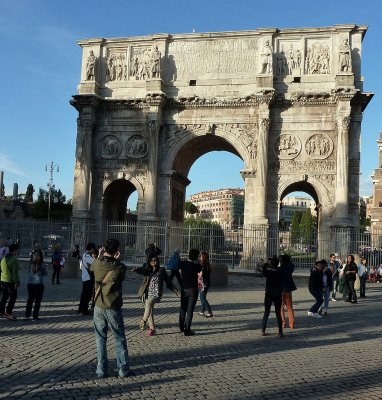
point(290, 205)
point(225, 206)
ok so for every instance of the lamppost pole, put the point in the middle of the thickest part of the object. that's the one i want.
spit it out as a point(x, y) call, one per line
point(51, 168)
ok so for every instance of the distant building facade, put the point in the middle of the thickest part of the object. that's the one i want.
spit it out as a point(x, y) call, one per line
point(290, 205)
point(225, 206)
point(374, 208)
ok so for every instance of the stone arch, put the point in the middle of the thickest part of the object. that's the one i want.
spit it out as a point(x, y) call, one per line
point(220, 139)
point(115, 195)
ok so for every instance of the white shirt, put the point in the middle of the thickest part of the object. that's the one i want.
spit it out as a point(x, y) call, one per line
point(86, 260)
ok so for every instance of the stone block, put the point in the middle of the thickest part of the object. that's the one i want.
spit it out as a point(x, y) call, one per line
point(345, 79)
point(264, 81)
point(88, 88)
point(219, 275)
point(154, 85)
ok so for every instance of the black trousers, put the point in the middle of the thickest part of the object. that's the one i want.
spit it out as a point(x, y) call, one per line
point(362, 287)
point(277, 301)
point(9, 292)
point(188, 301)
point(352, 296)
point(35, 293)
point(86, 295)
point(56, 273)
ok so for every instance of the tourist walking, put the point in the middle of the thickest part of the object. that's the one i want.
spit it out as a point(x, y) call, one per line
point(315, 288)
point(35, 286)
point(288, 286)
point(57, 262)
point(204, 283)
point(109, 273)
point(363, 274)
point(327, 287)
point(10, 281)
point(151, 290)
point(87, 277)
point(351, 270)
point(273, 293)
point(189, 270)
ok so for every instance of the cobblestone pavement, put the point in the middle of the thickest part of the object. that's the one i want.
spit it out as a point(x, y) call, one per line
point(337, 357)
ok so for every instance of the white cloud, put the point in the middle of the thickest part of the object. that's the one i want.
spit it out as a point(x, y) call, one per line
point(8, 165)
point(366, 185)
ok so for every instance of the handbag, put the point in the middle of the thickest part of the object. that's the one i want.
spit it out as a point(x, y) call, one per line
point(357, 283)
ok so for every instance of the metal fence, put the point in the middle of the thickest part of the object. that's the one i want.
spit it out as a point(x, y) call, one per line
point(241, 247)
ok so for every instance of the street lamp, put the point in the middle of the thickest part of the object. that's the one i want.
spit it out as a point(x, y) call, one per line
point(50, 184)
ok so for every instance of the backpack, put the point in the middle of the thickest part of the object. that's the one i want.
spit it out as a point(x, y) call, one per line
point(173, 262)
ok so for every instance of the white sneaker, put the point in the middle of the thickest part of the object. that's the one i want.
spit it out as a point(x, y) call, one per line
point(333, 299)
point(317, 316)
point(310, 314)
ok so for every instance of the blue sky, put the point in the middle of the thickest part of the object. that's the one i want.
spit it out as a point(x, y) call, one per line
point(41, 62)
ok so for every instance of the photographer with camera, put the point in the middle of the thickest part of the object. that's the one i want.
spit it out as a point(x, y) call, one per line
point(273, 293)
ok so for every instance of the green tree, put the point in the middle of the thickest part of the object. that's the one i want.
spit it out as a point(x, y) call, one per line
point(191, 208)
point(201, 234)
point(295, 227)
point(306, 228)
point(28, 198)
point(59, 209)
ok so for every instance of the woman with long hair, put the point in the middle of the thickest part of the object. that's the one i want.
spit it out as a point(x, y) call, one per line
point(351, 270)
point(288, 286)
point(204, 283)
point(37, 271)
point(151, 290)
point(363, 274)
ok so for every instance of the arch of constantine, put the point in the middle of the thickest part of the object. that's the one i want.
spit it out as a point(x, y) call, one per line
point(288, 102)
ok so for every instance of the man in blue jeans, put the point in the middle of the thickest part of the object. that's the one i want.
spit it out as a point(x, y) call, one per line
point(189, 295)
point(109, 273)
point(315, 288)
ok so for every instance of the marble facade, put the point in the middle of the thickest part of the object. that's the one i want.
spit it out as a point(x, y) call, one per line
point(288, 102)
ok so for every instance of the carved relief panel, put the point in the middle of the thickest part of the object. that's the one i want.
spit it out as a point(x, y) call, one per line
point(318, 57)
point(136, 147)
point(319, 146)
point(287, 146)
point(145, 62)
point(109, 147)
point(115, 65)
point(288, 59)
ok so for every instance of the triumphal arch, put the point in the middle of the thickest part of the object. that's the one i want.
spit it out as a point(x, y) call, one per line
point(288, 102)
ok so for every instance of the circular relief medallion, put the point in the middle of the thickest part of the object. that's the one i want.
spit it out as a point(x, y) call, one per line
point(110, 147)
point(136, 147)
point(287, 146)
point(319, 146)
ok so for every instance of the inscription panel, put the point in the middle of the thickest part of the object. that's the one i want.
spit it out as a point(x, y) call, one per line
point(227, 56)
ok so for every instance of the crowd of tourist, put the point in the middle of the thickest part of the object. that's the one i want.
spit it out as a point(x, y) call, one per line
point(102, 274)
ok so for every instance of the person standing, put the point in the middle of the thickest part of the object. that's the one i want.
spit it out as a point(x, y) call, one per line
point(152, 251)
point(37, 271)
point(334, 266)
point(363, 274)
point(173, 266)
point(57, 262)
point(87, 277)
point(315, 288)
point(109, 273)
point(151, 290)
point(327, 287)
point(189, 294)
point(204, 284)
point(273, 293)
point(351, 270)
point(288, 286)
point(10, 281)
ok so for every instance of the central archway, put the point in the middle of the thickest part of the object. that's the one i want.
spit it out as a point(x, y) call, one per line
point(115, 200)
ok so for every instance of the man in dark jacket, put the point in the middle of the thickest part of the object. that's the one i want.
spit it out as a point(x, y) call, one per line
point(273, 290)
point(315, 288)
point(189, 295)
point(109, 273)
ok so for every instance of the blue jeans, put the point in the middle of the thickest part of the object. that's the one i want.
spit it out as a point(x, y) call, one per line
point(103, 319)
point(204, 302)
point(317, 294)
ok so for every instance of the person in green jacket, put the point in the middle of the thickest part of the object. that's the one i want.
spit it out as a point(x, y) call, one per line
point(109, 273)
point(10, 281)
